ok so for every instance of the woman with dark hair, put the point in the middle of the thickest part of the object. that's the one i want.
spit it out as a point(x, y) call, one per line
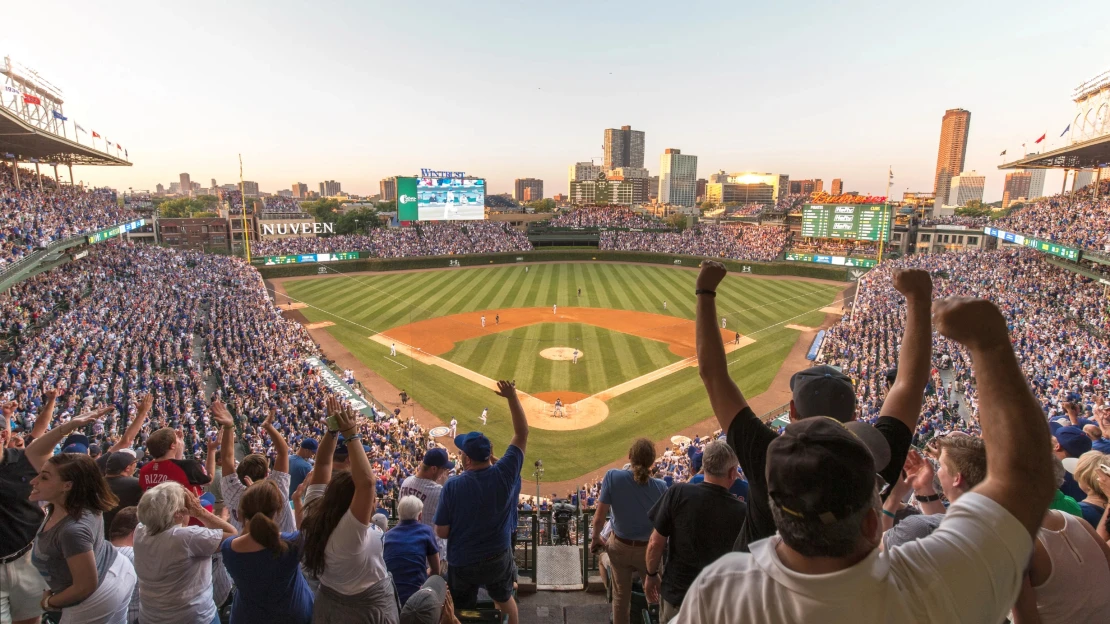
point(343, 549)
point(265, 563)
point(88, 581)
point(630, 494)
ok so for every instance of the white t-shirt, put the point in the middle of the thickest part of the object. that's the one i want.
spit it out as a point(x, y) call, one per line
point(354, 554)
point(968, 570)
point(233, 488)
point(175, 574)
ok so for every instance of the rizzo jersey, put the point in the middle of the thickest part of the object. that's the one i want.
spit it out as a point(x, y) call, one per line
point(188, 472)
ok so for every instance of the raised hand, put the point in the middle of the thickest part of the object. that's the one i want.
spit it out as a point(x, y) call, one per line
point(506, 389)
point(269, 420)
point(919, 472)
point(89, 417)
point(51, 394)
point(974, 323)
point(345, 417)
point(145, 404)
point(221, 415)
point(9, 408)
point(712, 273)
point(914, 284)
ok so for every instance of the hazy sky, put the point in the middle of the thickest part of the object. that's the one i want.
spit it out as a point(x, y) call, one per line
point(361, 90)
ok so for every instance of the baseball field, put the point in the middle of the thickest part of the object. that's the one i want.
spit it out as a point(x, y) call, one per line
point(595, 336)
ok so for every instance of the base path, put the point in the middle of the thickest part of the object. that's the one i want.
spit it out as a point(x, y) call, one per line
point(425, 341)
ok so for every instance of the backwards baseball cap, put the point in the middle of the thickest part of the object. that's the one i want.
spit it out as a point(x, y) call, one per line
point(437, 458)
point(309, 444)
point(119, 461)
point(76, 443)
point(426, 605)
point(1073, 440)
point(823, 469)
point(475, 444)
point(823, 391)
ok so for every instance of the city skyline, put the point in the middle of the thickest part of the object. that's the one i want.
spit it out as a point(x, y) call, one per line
point(852, 117)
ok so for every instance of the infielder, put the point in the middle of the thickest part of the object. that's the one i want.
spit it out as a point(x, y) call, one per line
point(555, 309)
point(393, 349)
point(724, 321)
point(575, 360)
point(664, 304)
point(483, 321)
point(454, 427)
point(497, 319)
point(485, 413)
point(558, 408)
point(737, 341)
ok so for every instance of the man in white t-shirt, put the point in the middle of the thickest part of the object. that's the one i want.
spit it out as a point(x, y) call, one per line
point(426, 486)
point(254, 467)
point(824, 565)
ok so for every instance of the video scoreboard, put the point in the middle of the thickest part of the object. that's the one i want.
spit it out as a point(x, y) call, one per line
point(303, 258)
point(869, 222)
point(443, 198)
point(833, 260)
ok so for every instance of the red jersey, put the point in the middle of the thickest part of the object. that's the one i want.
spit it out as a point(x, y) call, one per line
point(188, 472)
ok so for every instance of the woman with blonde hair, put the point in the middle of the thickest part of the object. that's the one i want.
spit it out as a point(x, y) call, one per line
point(630, 493)
point(1085, 470)
point(265, 563)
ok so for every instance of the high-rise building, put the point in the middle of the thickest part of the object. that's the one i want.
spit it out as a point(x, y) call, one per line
point(584, 171)
point(387, 187)
point(1015, 187)
point(175, 188)
point(159, 189)
point(329, 188)
point(250, 189)
point(631, 173)
point(719, 177)
point(837, 187)
point(185, 185)
point(749, 188)
point(966, 187)
point(522, 185)
point(699, 191)
point(678, 175)
point(953, 149)
point(300, 190)
point(1036, 185)
point(818, 185)
point(803, 187)
point(285, 193)
point(213, 185)
point(623, 147)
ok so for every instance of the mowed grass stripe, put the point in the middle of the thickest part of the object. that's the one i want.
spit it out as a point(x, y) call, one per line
point(637, 291)
point(599, 287)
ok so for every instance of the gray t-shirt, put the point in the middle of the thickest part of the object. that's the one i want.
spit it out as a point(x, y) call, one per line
point(912, 528)
point(68, 538)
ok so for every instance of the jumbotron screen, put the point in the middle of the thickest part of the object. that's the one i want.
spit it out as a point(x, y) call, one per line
point(869, 222)
point(441, 199)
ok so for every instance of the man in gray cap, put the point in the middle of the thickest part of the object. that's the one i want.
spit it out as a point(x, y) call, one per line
point(817, 391)
point(431, 604)
point(824, 564)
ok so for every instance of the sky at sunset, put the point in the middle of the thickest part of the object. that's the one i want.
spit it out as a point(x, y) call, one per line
point(357, 91)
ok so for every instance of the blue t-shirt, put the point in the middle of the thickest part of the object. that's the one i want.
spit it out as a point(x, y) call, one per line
point(739, 487)
point(1102, 445)
point(269, 590)
point(407, 548)
point(299, 468)
point(1091, 513)
point(630, 503)
point(480, 508)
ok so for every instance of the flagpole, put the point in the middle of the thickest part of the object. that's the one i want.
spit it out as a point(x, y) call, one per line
point(886, 208)
point(243, 196)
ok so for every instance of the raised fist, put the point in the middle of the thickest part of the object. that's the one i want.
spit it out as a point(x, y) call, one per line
point(712, 273)
point(974, 323)
point(914, 284)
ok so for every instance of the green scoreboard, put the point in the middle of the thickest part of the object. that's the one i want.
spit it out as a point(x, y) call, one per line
point(869, 222)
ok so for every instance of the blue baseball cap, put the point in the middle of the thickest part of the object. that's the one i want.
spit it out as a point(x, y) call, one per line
point(437, 458)
point(475, 444)
point(309, 444)
point(1073, 440)
point(76, 443)
point(208, 501)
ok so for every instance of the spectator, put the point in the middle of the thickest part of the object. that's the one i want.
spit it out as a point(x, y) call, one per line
point(410, 549)
point(126, 488)
point(1085, 470)
point(426, 485)
point(265, 563)
point(963, 466)
point(87, 581)
point(431, 604)
point(817, 391)
point(22, 584)
point(342, 550)
point(173, 559)
point(825, 500)
point(1070, 442)
point(254, 467)
point(477, 514)
point(300, 464)
point(122, 536)
point(697, 523)
point(630, 494)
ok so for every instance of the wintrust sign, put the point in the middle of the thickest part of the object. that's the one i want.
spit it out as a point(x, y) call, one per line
point(303, 229)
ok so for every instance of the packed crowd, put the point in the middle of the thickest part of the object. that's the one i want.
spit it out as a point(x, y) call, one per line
point(747, 211)
point(791, 203)
point(282, 204)
point(31, 218)
point(965, 221)
point(425, 239)
point(1077, 220)
point(834, 247)
point(604, 217)
point(735, 242)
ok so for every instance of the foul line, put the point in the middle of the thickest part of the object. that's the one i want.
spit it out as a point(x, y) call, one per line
point(395, 362)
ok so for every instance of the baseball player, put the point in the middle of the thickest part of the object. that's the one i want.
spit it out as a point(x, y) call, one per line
point(724, 321)
point(393, 349)
point(454, 427)
point(664, 305)
point(496, 319)
point(558, 407)
point(485, 413)
point(483, 320)
point(555, 308)
point(575, 358)
point(737, 340)
point(579, 292)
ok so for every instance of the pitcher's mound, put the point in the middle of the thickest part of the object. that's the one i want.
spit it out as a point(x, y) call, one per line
point(560, 353)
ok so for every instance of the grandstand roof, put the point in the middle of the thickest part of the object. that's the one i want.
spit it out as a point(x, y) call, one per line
point(1090, 154)
point(27, 142)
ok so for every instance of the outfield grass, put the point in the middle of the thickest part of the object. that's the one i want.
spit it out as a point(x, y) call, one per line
point(609, 357)
point(363, 304)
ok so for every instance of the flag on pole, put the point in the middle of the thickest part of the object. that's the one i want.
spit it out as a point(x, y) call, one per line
point(125, 154)
point(1042, 138)
point(890, 170)
point(1003, 153)
point(79, 128)
point(31, 99)
point(58, 115)
point(1066, 130)
point(95, 135)
point(118, 147)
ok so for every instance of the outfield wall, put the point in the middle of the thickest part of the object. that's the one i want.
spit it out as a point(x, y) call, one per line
point(800, 269)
